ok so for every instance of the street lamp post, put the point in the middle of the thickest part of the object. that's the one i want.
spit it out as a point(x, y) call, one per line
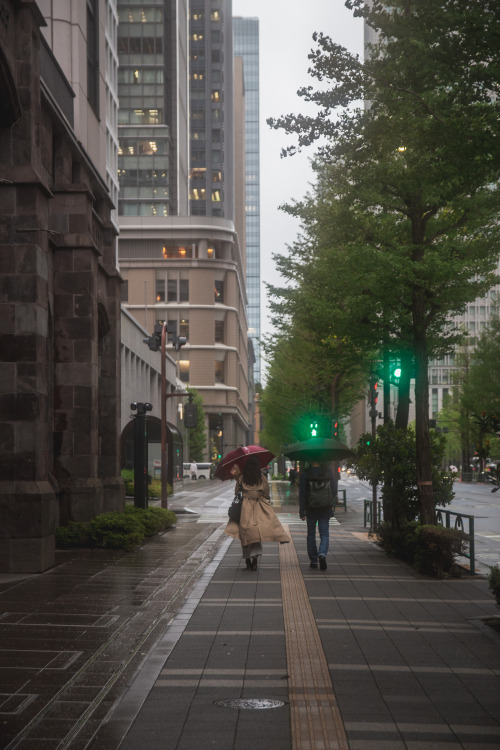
point(178, 342)
point(159, 340)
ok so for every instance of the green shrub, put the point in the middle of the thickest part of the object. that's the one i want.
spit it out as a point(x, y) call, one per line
point(437, 548)
point(494, 582)
point(116, 530)
point(153, 520)
point(154, 489)
point(400, 542)
point(75, 534)
point(128, 478)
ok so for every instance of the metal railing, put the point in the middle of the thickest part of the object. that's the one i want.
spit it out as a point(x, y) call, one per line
point(459, 525)
point(368, 510)
point(443, 518)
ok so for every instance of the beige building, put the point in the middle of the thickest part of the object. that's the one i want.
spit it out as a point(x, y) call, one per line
point(189, 272)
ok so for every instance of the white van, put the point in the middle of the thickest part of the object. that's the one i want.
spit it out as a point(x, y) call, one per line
point(202, 473)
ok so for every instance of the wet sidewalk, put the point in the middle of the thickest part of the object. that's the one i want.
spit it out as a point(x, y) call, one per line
point(156, 649)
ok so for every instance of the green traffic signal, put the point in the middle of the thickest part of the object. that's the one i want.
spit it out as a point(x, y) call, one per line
point(314, 429)
point(397, 372)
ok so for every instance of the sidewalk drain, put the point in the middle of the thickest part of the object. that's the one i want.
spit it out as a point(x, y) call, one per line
point(249, 703)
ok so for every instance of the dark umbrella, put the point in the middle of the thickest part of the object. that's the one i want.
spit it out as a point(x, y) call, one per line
point(240, 456)
point(319, 449)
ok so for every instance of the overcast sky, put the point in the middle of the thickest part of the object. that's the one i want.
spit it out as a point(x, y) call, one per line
point(285, 29)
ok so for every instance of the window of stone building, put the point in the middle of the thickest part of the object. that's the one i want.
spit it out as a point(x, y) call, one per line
point(219, 331)
point(184, 370)
point(219, 372)
point(219, 291)
point(181, 327)
point(160, 290)
point(93, 54)
point(177, 251)
point(172, 290)
point(124, 291)
point(183, 290)
point(184, 327)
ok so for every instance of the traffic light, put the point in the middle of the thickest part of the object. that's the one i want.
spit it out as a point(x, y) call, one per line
point(335, 428)
point(395, 371)
point(153, 343)
point(179, 341)
point(373, 395)
point(314, 429)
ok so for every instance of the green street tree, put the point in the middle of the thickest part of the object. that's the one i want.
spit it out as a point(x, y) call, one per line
point(197, 436)
point(481, 392)
point(419, 167)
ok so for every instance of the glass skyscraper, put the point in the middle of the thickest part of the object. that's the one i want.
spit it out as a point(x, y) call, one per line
point(246, 45)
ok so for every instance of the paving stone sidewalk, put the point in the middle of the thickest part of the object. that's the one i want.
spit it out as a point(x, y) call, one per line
point(134, 650)
point(412, 664)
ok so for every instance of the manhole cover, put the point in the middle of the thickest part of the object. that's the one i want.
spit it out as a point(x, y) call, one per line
point(249, 703)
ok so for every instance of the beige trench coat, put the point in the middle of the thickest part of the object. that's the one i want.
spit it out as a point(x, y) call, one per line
point(258, 522)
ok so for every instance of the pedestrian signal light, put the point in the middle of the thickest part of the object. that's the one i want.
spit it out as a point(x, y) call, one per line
point(397, 372)
point(335, 428)
point(314, 429)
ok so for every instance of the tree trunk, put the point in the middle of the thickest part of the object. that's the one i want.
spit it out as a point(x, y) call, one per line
point(422, 437)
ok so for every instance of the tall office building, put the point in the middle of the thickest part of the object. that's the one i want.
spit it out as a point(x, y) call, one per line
point(211, 178)
point(179, 247)
point(473, 321)
point(246, 45)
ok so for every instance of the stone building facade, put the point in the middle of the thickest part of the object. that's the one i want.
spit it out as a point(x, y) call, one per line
point(60, 289)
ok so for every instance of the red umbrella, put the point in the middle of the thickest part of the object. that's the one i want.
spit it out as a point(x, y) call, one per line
point(240, 456)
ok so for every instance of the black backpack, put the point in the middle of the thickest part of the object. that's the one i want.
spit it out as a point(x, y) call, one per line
point(319, 493)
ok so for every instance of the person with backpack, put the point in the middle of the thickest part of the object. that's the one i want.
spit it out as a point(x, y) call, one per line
point(317, 490)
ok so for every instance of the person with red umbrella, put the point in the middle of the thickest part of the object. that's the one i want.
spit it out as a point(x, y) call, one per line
point(239, 457)
point(258, 521)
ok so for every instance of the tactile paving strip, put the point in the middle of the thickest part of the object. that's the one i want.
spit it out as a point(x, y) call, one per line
point(315, 716)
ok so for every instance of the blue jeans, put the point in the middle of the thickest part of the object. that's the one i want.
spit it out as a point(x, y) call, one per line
point(323, 523)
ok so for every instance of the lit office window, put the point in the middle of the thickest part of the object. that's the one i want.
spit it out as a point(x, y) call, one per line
point(184, 370)
point(219, 372)
point(219, 291)
point(160, 290)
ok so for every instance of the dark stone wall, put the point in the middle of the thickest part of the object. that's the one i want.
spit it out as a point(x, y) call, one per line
point(59, 318)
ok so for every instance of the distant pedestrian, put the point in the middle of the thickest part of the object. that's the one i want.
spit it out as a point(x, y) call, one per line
point(258, 523)
point(193, 470)
point(317, 490)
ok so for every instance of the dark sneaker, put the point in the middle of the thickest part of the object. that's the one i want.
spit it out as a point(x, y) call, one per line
point(313, 565)
point(322, 562)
